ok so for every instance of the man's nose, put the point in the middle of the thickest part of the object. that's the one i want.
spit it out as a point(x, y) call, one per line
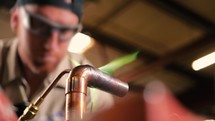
point(52, 40)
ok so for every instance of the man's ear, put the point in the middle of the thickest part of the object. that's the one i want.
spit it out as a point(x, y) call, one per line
point(14, 19)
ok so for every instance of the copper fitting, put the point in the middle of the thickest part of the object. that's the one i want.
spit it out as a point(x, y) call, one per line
point(76, 88)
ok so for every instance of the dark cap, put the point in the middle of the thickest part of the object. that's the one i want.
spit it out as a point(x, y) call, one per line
point(74, 5)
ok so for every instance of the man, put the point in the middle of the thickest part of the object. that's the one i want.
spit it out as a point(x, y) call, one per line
point(32, 60)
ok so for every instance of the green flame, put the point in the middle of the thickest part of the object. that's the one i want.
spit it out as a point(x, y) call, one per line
point(118, 63)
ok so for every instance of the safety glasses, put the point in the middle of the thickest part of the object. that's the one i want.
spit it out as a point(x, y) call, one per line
point(43, 27)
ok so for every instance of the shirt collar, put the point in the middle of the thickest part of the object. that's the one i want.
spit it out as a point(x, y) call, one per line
point(14, 66)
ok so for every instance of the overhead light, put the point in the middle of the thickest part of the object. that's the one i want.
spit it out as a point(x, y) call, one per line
point(80, 43)
point(204, 62)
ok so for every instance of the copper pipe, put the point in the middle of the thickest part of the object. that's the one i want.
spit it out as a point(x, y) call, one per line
point(76, 89)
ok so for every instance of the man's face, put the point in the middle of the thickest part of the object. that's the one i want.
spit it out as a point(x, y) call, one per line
point(44, 33)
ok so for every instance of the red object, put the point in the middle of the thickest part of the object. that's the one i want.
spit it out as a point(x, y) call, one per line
point(6, 111)
point(161, 105)
point(156, 103)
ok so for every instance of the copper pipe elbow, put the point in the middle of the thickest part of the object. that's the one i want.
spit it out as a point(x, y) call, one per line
point(97, 79)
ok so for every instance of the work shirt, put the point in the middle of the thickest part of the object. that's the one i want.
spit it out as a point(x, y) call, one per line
point(52, 108)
